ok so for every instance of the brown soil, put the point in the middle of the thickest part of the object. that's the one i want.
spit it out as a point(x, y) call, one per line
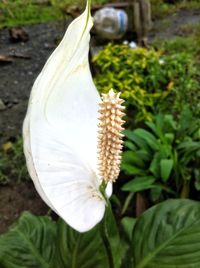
point(15, 199)
point(17, 79)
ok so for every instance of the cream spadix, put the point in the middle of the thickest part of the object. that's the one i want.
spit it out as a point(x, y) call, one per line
point(61, 131)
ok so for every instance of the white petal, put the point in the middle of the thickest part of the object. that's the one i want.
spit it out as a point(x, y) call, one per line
point(60, 131)
point(109, 189)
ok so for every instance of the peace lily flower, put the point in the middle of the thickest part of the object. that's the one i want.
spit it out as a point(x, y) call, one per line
point(72, 139)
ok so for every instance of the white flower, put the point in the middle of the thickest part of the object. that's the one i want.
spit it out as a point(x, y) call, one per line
point(60, 132)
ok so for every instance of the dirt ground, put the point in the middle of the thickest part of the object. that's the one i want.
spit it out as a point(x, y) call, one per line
point(17, 198)
point(16, 80)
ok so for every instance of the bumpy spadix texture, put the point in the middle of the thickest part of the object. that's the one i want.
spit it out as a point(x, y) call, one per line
point(60, 131)
point(110, 137)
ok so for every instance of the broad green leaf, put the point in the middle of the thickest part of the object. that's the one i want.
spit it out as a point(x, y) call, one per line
point(140, 142)
point(145, 156)
point(189, 146)
point(148, 137)
point(131, 170)
point(155, 165)
point(130, 157)
point(155, 194)
point(165, 150)
point(130, 145)
point(77, 250)
point(197, 179)
point(166, 166)
point(86, 250)
point(160, 124)
point(113, 236)
point(29, 243)
point(168, 236)
point(169, 137)
point(169, 122)
point(139, 184)
point(153, 127)
point(127, 224)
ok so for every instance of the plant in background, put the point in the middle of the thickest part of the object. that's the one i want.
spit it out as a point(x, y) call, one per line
point(134, 74)
point(12, 163)
point(164, 157)
point(148, 80)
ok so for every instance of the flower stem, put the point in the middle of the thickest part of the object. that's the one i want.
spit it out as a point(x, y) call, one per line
point(105, 238)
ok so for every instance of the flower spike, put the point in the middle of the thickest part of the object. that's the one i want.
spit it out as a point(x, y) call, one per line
point(110, 137)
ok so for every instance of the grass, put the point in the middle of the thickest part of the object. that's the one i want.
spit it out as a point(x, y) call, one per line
point(160, 8)
point(19, 13)
point(26, 12)
point(192, 30)
point(12, 163)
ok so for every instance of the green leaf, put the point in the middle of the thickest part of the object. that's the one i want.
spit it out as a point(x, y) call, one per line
point(145, 156)
point(127, 225)
point(168, 236)
point(130, 145)
point(148, 137)
point(85, 250)
point(139, 184)
point(153, 127)
point(140, 142)
point(166, 166)
point(130, 157)
point(197, 179)
point(77, 250)
point(131, 170)
point(189, 146)
point(113, 236)
point(127, 202)
point(169, 137)
point(29, 243)
point(155, 165)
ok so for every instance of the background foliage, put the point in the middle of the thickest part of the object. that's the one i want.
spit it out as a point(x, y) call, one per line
point(150, 81)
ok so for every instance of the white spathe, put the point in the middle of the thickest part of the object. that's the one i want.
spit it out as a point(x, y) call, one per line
point(60, 131)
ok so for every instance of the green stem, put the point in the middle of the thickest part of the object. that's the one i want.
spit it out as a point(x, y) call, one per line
point(105, 238)
point(186, 189)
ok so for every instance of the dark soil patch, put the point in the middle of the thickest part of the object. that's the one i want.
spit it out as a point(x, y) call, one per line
point(15, 199)
point(17, 77)
point(169, 27)
point(16, 81)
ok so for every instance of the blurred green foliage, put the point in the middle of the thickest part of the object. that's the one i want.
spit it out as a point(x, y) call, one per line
point(163, 156)
point(149, 80)
point(134, 73)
